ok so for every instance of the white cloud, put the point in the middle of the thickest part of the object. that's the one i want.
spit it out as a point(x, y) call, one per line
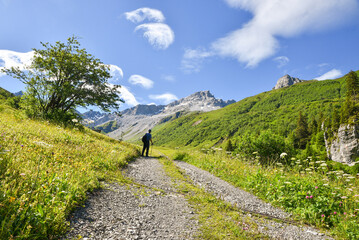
point(193, 58)
point(281, 60)
point(116, 74)
point(332, 74)
point(257, 39)
point(139, 15)
point(140, 80)
point(10, 59)
point(128, 96)
point(165, 98)
point(159, 35)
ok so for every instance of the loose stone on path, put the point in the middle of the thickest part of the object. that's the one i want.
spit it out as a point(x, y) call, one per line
point(123, 212)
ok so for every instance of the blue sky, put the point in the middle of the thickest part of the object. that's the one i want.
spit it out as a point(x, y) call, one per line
point(162, 50)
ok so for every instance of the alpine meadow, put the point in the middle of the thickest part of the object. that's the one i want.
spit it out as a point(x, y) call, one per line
point(182, 119)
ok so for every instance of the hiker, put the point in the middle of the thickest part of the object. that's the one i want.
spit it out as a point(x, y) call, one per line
point(146, 142)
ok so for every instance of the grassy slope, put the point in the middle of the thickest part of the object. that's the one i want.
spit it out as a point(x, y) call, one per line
point(276, 109)
point(45, 171)
point(5, 94)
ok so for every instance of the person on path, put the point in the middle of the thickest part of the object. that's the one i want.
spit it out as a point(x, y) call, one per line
point(146, 142)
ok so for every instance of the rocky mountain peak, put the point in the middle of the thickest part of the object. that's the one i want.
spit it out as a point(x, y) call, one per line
point(286, 81)
point(200, 101)
point(143, 110)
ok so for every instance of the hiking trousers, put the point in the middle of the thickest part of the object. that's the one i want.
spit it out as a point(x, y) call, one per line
point(146, 146)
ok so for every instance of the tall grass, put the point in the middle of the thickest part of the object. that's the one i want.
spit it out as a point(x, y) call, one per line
point(46, 171)
point(308, 188)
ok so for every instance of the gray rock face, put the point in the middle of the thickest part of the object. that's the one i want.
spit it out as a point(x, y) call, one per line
point(134, 121)
point(143, 110)
point(345, 148)
point(287, 81)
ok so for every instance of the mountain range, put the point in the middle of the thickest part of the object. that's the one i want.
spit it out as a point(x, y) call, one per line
point(133, 122)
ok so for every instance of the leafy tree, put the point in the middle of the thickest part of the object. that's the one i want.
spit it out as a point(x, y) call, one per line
point(301, 133)
point(62, 77)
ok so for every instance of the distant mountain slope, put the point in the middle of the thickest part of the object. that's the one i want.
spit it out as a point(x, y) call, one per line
point(276, 110)
point(5, 94)
point(133, 122)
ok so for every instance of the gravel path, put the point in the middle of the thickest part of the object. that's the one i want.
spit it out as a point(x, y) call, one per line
point(154, 211)
point(151, 208)
point(250, 203)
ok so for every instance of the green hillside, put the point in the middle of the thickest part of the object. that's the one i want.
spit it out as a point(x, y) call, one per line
point(46, 171)
point(276, 110)
point(107, 127)
point(4, 94)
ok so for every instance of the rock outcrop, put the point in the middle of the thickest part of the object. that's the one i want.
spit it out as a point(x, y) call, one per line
point(287, 81)
point(345, 147)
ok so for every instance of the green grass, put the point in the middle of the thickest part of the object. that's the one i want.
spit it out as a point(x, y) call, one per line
point(46, 171)
point(314, 194)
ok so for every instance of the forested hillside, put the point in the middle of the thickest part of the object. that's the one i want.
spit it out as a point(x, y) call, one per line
point(272, 116)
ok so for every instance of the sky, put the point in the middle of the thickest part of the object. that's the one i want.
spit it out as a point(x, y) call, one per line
point(163, 50)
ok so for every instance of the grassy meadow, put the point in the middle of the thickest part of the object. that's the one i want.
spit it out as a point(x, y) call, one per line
point(311, 190)
point(47, 170)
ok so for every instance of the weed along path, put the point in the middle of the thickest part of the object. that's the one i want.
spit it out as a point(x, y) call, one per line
point(167, 199)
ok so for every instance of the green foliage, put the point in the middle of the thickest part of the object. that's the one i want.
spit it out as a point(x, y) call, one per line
point(46, 171)
point(349, 112)
point(301, 133)
point(14, 102)
point(4, 94)
point(63, 77)
point(267, 146)
point(228, 146)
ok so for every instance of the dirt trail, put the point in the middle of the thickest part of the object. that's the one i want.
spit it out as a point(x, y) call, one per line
point(153, 209)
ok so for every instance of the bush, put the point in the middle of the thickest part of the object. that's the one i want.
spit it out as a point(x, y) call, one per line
point(182, 156)
point(267, 145)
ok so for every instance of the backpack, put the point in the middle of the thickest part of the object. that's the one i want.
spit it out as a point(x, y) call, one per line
point(144, 138)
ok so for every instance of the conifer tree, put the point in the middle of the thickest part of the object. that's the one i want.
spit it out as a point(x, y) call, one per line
point(335, 120)
point(352, 82)
point(302, 134)
point(349, 108)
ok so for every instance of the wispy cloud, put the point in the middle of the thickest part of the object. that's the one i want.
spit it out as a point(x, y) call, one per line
point(332, 74)
point(164, 98)
point(128, 96)
point(116, 74)
point(257, 39)
point(193, 58)
point(159, 35)
point(141, 14)
point(10, 59)
point(140, 80)
point(281, 60)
